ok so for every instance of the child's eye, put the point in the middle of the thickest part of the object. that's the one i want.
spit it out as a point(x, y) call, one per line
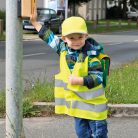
point(71, 38)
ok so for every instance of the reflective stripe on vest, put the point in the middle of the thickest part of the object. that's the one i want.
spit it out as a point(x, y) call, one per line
point(85, 95)
point(81, 105)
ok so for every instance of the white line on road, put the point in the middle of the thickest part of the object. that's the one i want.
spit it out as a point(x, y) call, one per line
point(114, 44)
point(135, 40)
point(32, 39)
point(36, 54)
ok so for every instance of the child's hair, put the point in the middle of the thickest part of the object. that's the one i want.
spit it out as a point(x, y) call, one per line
point(74, 25)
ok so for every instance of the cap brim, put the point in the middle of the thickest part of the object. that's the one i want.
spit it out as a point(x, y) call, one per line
point(74, 33)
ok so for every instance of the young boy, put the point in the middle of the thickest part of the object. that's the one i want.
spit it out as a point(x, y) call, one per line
point(79, 90)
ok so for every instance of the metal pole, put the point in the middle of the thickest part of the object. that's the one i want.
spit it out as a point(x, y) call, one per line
point(66, 8)
point(14, 90)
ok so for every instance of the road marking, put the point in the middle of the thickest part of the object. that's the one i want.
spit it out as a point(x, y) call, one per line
point(32, 39)
point(135, 40)
point(36, 54)
point(114, 44)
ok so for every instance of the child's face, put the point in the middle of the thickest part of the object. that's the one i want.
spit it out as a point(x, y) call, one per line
point(75, 41)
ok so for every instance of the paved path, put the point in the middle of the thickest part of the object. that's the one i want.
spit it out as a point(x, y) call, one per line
point(62, 127)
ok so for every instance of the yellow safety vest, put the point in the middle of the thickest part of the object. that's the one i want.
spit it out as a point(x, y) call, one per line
point(77, 100)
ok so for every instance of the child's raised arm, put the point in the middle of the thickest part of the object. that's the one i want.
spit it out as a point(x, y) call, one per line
point(33, 19)
point(46, 34)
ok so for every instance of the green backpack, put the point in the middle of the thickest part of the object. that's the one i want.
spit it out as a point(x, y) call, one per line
point(104, 59)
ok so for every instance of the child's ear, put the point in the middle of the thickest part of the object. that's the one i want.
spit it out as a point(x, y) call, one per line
point(86, 36)
point(63, 38)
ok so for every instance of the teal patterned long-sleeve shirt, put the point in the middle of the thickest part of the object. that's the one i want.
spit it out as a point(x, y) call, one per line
point(95, 74)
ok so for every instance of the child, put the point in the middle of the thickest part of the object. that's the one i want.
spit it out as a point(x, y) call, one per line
point(79, 90)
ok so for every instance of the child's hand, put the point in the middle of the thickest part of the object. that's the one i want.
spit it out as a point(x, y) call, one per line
point(74, 80)
point(33, 16)
point(33, 19)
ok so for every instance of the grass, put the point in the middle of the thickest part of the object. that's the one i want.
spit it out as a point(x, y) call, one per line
point(114, 26)
point(2, 37)
point(116, 22)
point(41, 92)
point(2, 104)
point(121, 88)
point(122, 84)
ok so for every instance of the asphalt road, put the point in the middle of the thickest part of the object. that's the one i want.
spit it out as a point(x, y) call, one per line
point(63, 127)
point(40, 61)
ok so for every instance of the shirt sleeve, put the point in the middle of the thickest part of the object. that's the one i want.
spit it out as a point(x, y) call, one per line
point(95, 74)
point(52, 40)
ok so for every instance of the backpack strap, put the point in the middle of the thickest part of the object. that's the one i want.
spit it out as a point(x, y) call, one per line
point(106, 58)
point(105, 61)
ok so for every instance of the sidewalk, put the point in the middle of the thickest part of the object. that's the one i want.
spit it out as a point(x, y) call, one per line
point(63, 127)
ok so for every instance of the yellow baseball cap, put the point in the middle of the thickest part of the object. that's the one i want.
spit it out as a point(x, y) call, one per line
point(74, 25)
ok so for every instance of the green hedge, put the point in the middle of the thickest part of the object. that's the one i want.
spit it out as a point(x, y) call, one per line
point(3, 16)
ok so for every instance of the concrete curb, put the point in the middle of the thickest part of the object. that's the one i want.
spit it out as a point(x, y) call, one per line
point(30, 37)
point(123, 110)
point(115, 110)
